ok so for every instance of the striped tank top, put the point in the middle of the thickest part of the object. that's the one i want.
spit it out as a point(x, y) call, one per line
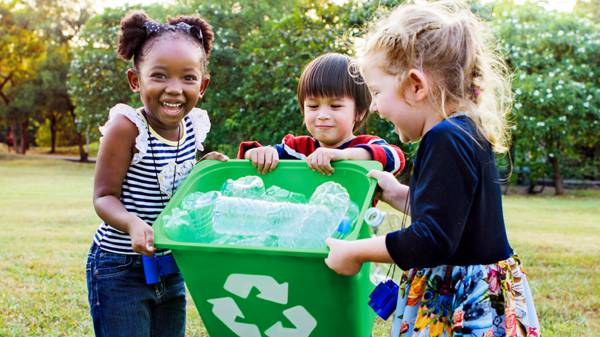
point(157, 168)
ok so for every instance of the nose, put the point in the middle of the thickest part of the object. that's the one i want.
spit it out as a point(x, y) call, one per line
point(174, 87)
point(323, 113)
point(373, 106)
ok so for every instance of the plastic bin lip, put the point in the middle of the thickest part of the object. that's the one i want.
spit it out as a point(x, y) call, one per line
point(162, 241)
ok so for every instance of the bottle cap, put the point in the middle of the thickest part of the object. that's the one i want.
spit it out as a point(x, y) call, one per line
point(345, 226)
point(374, 217)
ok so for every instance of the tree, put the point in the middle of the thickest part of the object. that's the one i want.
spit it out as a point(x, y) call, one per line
point(556, 63)
point(22, 51)
point(59, 22)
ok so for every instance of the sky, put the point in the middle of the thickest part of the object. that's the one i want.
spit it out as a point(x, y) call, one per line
point(560, 5)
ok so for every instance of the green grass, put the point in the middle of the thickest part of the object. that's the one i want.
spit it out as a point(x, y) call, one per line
point(47, 221)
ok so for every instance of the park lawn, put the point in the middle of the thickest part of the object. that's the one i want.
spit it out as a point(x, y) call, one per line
point(47, 222)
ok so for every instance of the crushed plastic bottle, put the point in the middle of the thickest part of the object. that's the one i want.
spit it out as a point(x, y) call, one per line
point(276, 193)
point(245, 214)
point(333, 196)
point(251, 187)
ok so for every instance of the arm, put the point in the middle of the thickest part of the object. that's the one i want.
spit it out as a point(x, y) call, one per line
point(113, 160)
point(346, 257)
point(322, 157)
point(390, 156)
point(445, 182)
point(445, 191)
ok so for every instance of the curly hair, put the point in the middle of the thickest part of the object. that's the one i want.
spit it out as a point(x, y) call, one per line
point(134, 39)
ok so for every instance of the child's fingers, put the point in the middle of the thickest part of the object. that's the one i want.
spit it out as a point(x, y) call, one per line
point(254, 159)
point(377, 174)
point(310, 162)
point(274, 161)
point(149, 241)
point(261, 163)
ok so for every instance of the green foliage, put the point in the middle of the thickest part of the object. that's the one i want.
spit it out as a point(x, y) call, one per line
point(556, 63)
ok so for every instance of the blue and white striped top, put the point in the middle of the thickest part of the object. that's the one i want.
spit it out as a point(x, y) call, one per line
point(142, 193)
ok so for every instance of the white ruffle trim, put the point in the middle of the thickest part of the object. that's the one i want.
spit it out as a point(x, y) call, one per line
point(136, 117)
point(201, 125)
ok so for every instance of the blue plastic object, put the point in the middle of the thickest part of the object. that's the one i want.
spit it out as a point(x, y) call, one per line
point(156, 267)
point(384, 298)
point(344, 228)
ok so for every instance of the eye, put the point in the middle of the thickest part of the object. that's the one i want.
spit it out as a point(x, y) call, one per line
point(159, 76)
point(336, 106)
point(190, 77)
point(312, 106)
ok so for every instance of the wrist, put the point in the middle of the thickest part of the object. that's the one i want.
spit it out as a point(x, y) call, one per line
point(132, 222)
point(341, 154)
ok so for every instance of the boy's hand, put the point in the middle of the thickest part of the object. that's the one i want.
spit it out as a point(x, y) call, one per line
point(341, 258)
point(214, 155)
point(321, 159)
point(142, 237)
point(264, 158)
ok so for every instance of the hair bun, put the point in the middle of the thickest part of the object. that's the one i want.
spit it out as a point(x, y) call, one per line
point(202, 25)
point(133, 34)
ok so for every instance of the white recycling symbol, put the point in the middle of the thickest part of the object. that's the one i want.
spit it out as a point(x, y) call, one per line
point(227, 310)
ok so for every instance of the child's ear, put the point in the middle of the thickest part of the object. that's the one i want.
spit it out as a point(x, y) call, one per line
point(418, 87)
point(204, 86)
point(133, 79)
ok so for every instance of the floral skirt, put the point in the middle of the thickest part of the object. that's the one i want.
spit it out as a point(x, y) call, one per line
point(491, 300)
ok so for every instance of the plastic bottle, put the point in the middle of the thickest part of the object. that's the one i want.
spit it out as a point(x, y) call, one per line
point(241, 216)
point(245, 187)
point(276, 193)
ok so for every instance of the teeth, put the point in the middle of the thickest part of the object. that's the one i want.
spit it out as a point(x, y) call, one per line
point(171, 105)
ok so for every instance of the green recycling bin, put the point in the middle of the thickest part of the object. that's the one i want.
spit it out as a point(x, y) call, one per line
point(274, 292)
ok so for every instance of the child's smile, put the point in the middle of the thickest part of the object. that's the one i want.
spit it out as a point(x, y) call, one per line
point(171, 81)
point(330, 120)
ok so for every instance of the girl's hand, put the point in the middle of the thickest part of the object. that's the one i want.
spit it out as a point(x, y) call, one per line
point(342, 258)
point(264, 158)
point(214, 155)
point(142, 237)
point(321, 159)
point(393, 193)
point(389, 185)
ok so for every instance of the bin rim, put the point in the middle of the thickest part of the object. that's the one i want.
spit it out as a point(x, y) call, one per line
point(206, 166)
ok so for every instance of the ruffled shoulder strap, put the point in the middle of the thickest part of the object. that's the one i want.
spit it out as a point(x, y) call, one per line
point(136, 117)
point(201, 125)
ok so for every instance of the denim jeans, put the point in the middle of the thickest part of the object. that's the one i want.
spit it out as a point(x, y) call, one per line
point(122, 304)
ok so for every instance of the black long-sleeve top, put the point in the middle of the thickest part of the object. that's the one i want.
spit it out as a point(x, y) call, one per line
point(455, 202)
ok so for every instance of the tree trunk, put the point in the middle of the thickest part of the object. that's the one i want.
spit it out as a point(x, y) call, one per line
point(53, 122)
point(24, 144)
point(83, 155)
point(558, 183)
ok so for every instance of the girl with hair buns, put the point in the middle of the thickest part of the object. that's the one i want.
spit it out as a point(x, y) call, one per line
point(144, 154)
point(431, 73)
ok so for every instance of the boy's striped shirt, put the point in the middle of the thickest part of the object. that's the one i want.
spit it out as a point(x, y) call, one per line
point(292, 147)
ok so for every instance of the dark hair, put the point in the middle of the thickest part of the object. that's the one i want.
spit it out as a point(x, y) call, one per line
point(135, 36)
point(329, 76)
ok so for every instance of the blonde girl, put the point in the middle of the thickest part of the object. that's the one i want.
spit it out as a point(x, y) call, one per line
point(431, 73)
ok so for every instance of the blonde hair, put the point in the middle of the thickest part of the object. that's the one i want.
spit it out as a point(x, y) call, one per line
point(449, 44)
